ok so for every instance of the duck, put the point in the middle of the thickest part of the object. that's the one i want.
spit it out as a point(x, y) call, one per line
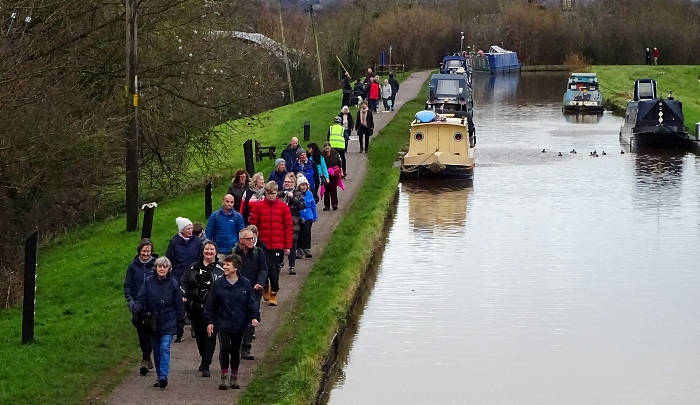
point(603, 153)
point(573, 151)
point(560, 154)
point(622, 152)
point(543, 151)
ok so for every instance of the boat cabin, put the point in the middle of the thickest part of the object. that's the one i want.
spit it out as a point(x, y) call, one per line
point(450, 92)
point(454, 64)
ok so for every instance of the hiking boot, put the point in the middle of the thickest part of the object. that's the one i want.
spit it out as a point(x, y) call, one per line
point(326, 208)
point(163, 382)
point(234, 382)
point(157, 384)
point(144, 367)
point(206, 372)
point(273, 299)
point(335, 207)
point(247, 356)
point(192, 332)
point(308, 255)
point(223, 385)
point(266, 292)
point(150, 364)
point(292, 271)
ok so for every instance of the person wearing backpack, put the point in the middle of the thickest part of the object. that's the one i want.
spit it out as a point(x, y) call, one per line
point(253, 194)
point(254, 268)
point(308, 216)
point(223, 226)
point(195, 284)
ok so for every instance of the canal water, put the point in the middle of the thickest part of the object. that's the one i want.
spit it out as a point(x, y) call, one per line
point(553, 280)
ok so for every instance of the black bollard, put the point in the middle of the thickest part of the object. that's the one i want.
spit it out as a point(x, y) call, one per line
point(207, 200)
point(148, 210)
point(248, 153)
point(307, 130)
point(30, 248)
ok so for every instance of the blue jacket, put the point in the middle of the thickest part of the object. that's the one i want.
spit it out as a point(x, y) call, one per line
point(231, 307)
point(170, 313)
point(278, 177)
point(223, 229)
point(136, 275)
point(322, 168)
point(289, 155)
point(309, 211)
point(309, 171)
point(183, 253)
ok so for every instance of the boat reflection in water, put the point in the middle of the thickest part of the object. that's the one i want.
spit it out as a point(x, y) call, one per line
point(433, 205)
point(659, 180)
point(582, 118)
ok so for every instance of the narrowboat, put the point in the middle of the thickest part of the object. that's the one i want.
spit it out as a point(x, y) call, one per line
point(582, 94)
point(450, 92)
point(452, 64)
point(654, 122)
point(496, 60)
point(441, 145)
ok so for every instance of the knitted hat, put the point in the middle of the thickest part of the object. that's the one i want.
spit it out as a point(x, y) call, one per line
point(300, 151)
point(278, 161)
point(182, 223)
point(301, 179)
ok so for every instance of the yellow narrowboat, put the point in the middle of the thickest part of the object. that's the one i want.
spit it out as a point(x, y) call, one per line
point(441, 145)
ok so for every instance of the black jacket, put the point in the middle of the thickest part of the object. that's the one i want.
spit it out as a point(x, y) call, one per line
point(231, 307)
point(136, 275)
point(394, 86)
point(254, 264)
point(196, 283)
point(163, 299)
point(237, 190)
point(183, 253)
point(370, 121)
point(351, 123)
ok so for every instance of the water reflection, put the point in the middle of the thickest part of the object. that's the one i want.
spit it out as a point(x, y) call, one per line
point(580, 118)
point(658, 180)
point(436, 205)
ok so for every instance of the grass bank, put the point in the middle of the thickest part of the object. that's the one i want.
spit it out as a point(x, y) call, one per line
point(291, 372)
point(85, 343)
point(617, 85)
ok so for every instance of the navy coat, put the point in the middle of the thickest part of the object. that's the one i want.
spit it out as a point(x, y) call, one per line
point(278, 177)
point(231, 307)
point(290, 156)
point(253, 264)
point(136, 275)
point(163, 299)
point(182, 253)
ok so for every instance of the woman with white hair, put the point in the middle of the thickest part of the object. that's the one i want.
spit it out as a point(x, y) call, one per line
point(347, 123)
point(386, 95)
point(162, 313)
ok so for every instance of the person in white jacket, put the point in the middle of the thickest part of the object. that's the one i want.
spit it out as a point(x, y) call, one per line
point(386, 96)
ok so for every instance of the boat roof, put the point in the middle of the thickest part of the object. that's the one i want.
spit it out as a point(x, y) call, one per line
point(498, 49)
point(454, 57)
point(448, 120)
point(446, 76)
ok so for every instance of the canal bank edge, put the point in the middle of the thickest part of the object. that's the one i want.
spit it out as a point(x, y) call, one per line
point(84, 337)
point(299, 357)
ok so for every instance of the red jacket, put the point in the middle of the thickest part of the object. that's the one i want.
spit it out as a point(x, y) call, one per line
point(374, 91)
point(274, 222)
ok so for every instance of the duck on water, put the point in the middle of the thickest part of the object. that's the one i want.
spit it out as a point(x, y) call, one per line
point(654, 122)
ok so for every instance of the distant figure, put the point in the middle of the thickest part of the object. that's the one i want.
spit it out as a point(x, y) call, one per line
point(347, 90)
point(656, 56)
point(394, 89)
point(648, 56)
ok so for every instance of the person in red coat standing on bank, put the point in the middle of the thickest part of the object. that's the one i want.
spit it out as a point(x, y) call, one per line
point(374, 95)
point(275, 228)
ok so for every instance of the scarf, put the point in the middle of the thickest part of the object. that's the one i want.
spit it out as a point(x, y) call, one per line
point(363, 117)
point(345, 121)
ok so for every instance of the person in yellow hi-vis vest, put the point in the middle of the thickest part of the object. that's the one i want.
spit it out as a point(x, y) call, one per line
point(336, 137)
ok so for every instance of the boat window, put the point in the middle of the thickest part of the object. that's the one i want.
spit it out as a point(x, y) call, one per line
point(453, 63)
point(646, 90)
point(447, 87)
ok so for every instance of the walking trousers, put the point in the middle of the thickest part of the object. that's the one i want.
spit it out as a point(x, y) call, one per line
point(275, 258)
point(248, 336)
point(230, 350)
point(205, 344)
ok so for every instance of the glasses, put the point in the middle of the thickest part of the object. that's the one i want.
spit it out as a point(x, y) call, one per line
point(271, 193)
point(251, 238)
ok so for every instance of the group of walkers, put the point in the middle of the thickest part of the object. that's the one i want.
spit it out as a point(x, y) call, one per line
point(215, 278)
point(372, 89)
point(648, 54)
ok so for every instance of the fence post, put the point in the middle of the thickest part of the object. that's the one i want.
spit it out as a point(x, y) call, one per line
point(207, 200)
point(249, 159)
point(148, 210)
point(307, 130)
point(30, 248)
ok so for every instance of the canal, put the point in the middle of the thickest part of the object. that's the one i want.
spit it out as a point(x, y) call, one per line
point(553, 280)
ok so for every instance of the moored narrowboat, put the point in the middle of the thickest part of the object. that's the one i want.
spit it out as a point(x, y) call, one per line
point(441, 144)
point(450, 92)
point(654, 122)
point(582, 94)
point(496, 60)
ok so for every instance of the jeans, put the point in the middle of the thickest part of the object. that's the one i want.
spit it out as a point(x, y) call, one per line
point(292, 258)
point(386, 104)
point(205, 344)
point(364, 133)
point(248, 336)
point(393, 101)
point(144, 338)
point(304, 241)
point(230, 350)
point(373, 104)
point(161, 354)
point(275, 258)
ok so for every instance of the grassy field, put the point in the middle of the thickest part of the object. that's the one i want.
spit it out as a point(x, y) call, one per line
point(84, 339)
point(617, 83)
point(291, 371)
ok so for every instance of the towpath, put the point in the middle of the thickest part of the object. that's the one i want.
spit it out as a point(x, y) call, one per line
point(186, 386)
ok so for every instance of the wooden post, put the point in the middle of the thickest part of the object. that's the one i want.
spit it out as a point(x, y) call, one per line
point(30, 248)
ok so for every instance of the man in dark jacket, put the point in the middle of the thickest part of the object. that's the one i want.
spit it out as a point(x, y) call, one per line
point(254, 268)
point(223, 226)
point(347, 90)
point(289, 154)
point(394, 89)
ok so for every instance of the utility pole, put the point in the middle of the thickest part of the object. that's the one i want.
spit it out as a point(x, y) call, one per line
point(461, 43)
point(132, 129)
point(318, 53)
point(286, 57)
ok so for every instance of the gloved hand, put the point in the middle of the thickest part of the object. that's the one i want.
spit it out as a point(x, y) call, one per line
point(132, 305)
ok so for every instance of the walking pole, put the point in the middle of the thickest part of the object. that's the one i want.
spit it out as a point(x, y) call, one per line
point(341, 63)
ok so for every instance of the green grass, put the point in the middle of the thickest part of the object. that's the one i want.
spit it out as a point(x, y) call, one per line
point(83, 332)
point(617, 85)
point(291, 371)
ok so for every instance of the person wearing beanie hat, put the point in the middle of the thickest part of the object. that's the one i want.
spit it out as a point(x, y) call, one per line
point(183, 250)
point(280, 171)
point(307, 217)
point(307, 167)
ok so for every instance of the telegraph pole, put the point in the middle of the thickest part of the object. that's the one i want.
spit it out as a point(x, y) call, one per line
point(318, 53)
point(286, 57)
point(132, 130)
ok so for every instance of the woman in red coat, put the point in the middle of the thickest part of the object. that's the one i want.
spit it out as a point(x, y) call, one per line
point(374, 94)
point(274, 221)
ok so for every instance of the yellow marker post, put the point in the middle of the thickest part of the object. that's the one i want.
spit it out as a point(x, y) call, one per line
point(136, 100)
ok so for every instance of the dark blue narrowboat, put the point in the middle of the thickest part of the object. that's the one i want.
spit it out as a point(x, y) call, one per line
point(496, 60)
point(653, 122)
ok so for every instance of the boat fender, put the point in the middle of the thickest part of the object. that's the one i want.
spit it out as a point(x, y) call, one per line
point(436, 167)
